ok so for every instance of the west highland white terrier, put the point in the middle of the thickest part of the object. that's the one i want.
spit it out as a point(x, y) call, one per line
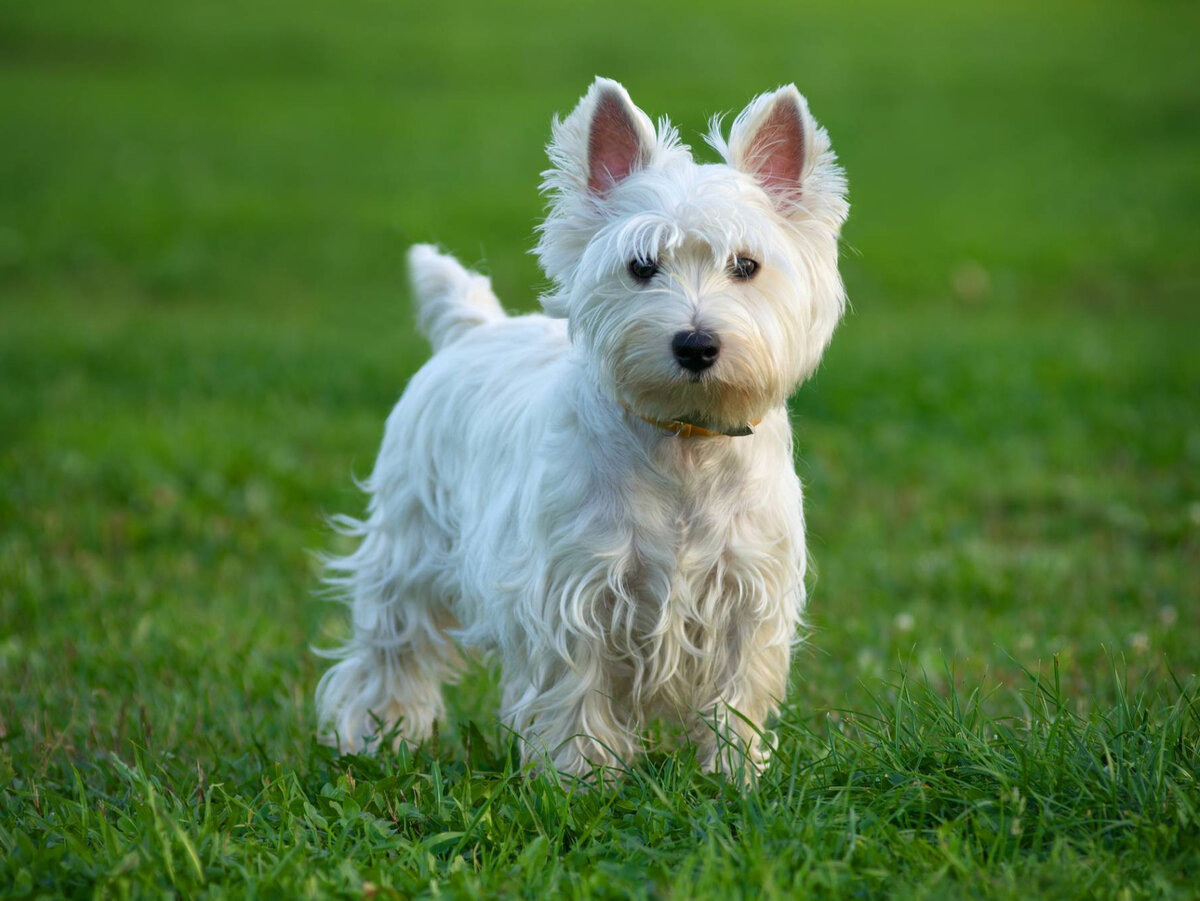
point(604, 496)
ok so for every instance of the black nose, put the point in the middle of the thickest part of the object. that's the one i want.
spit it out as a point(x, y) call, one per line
point(695, 351)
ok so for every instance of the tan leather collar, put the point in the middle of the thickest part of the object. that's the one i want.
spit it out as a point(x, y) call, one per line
point(689, 429)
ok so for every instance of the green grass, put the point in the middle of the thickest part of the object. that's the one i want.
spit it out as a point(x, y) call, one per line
point(203, 211)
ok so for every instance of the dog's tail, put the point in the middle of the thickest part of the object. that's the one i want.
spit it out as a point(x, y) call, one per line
point(451, 300)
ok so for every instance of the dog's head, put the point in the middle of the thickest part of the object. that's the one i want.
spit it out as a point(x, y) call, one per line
point(704, 292)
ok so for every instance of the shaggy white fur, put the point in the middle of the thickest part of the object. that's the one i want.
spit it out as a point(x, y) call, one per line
point(532, 497)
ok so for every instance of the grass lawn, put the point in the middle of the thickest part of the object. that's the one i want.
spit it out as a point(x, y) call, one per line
point(203, 213)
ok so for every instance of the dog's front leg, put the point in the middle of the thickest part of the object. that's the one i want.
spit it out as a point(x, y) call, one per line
point(568, 715)
point(732, 737)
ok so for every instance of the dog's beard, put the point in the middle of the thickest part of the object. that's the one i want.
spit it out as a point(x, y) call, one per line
point(709, 399)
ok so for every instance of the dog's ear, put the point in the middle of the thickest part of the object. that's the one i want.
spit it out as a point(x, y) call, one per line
point(601, 142)
point(619, 136)
point(774, 139)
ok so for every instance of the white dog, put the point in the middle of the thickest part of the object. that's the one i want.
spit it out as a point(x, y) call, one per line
point(604, 496)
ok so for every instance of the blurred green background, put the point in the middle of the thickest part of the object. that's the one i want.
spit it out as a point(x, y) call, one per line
point(203, 214)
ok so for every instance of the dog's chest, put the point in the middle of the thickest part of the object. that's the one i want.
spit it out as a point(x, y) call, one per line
point(667, 560)
point(703, 571)
point(694, 536)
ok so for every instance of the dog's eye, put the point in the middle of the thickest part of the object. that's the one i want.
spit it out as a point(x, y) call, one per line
point(643, 270)
point(743, 268)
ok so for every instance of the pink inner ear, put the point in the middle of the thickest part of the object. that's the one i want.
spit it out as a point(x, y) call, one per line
point(614, 145)
point(776, 154)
